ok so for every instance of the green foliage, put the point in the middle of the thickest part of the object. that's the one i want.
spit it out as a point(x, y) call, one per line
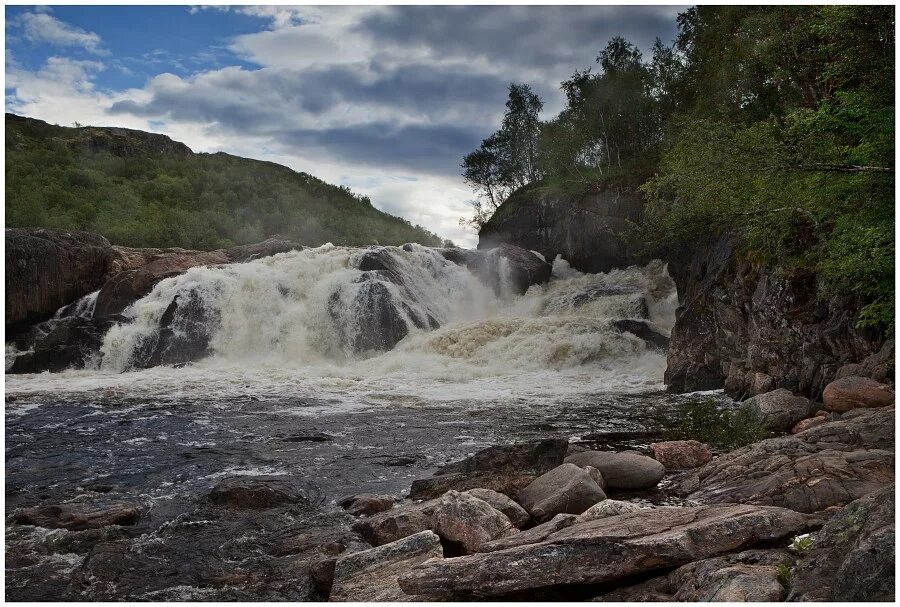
point(708, 423)
point(785, 574)
point(202, 201)
point(801, 544)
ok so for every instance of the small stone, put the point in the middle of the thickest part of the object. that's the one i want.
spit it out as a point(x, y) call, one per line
point(681, 454)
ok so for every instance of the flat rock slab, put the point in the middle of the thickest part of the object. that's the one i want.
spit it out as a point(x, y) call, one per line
point(371, 575)
point(829, 465)
point(78, 517)
point(852, 556)
point(606, 550)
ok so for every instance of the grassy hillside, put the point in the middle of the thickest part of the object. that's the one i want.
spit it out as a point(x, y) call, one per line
point(145, 190)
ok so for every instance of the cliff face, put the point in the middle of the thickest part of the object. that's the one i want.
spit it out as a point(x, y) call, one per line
point(750, 328)
point(585, 229)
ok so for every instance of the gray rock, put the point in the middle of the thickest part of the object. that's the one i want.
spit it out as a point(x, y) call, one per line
point(852, 556)
point(605, 550)
point(371, 575)
point(396, 523)
point(532, 536)
point(608, 508)
point(567, 489)
point(504, 504)
point(624, 470)
point(468, 522)
point(779, 409)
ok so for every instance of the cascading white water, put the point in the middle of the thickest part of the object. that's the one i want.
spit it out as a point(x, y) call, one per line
point(291, 322)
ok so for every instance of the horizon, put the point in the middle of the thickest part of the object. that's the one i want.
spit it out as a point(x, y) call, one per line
point(383, 100)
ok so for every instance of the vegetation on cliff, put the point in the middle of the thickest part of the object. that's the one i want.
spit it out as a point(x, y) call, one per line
point(775, 123)
point(144, 190)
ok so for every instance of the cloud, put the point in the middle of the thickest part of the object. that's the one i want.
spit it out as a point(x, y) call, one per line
point(41, 27)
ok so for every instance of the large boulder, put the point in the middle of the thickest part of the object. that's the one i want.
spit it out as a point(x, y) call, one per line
point(828, 465)
point(853, 392)
point(626, 470)
point(779, 409)
point(371, 575)
point(681, 454)
point(57, 345)
point(516, 514)
point(47, 269)
point(506, 268)
point(605, 550)
point(588, 230)
point(467, 523)
point(852, 556)
point(749, 576)
point(503, 468)
point(567, 489)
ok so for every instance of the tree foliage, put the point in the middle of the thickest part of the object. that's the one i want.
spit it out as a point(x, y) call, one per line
point(202, 201)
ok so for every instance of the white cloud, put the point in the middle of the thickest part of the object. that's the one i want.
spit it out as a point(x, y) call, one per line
point(42, 27)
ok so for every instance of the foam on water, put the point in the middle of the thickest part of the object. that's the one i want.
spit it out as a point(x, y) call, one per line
point(276, 326)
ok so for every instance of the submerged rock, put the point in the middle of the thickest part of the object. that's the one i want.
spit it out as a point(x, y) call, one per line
point(853, 392)
point(78, 517)
point(605, 550)
point(852, 556)
point(567, 489)
point(371, 575)
point(623, 470)
point(367, 503)
point(258, 492)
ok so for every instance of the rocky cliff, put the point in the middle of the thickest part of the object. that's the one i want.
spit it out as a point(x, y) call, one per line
point(586, 229)
point(751, 328)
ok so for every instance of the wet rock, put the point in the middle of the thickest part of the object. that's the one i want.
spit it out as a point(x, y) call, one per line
point(504, 468)
point(257, 492)
point(184, 334)
point(367, 503)
point(266, 248)
point(623, 470)
point(567, 489)
point(852, 556)
point(831, 464)
point(749, 576)
point(607, 508)
point(513, 267)
point(396, 523)
point(69, 343)
point(47, 269)
point(644, 330)
point(76, 517)
point(504, 504)
point(371, 575)
point(536, 534)
point(852, 392)
point(681, 454)
point(779, 409)
point(605, 550)
point(467, 522)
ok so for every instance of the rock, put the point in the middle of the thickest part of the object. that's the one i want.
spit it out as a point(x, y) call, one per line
point(77, 517)
point(513, 268)
point(596, 476)
point(831, 464)
point(741, 320)
point(855, 392)
point(266, 248)
point(47, 269)
point(749, 576)
point(878, 366)
point(467, 522)
point(565, 489)
point(852, 556)
point(681, 454)
point(367, 503)
point(68, 343)
point(153, 265)
point(644, 330)
point(534, 535)
point(607, 508)
point(586, 230)
point(779, 409)
point(810, 422)
point(504, 468)
point(396, 523)
point(257, 492)
point(605, 550)
point(371, 575)
point(624, 470)
point(513, 511)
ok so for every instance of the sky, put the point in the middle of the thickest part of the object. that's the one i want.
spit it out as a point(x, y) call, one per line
point(385, 100)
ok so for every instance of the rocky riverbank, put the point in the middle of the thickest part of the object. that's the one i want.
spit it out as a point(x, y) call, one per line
point(802, 516)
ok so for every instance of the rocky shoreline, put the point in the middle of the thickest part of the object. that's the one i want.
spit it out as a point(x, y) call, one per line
point(802, 516)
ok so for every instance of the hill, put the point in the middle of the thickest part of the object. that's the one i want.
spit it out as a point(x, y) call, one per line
point(145, 190)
